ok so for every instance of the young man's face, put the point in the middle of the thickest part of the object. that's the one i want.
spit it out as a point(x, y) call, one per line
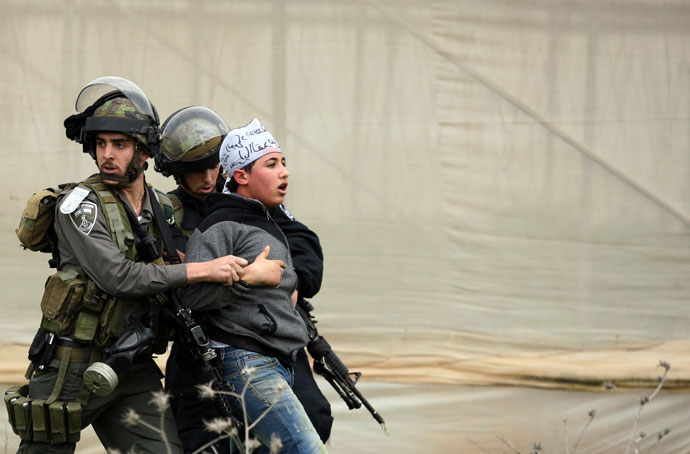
point(201, 184)
point(267, 181)
point(114, 152)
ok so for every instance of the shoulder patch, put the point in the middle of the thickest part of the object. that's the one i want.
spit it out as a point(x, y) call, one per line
point(287, 213)
point(167, 205)
point(73, 200)
point(84, 217)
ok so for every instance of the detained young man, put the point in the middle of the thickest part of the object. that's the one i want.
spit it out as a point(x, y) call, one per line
point(254, 323)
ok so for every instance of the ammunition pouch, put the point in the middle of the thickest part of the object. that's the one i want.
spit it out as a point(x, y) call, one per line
point(115, 318)
point(74, 307)
point(37, 420)
point(63, 295)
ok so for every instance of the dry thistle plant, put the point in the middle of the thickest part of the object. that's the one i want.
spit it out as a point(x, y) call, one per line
point(226, 429)
point(568, 450)
point(161, 401)
point(221, 426)
point(636, 437)
point(536, 447)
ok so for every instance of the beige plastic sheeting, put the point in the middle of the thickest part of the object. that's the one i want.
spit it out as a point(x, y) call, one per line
point(501, 190)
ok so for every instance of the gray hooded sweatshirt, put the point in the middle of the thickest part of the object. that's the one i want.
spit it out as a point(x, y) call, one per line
point(255, 318)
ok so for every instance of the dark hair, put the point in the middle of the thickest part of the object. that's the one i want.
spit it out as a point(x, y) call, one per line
point(232, 184)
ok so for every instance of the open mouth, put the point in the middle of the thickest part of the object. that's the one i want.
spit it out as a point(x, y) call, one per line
point(282, 189)
point(109, 169)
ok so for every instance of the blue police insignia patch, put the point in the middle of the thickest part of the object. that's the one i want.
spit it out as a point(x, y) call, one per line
point(84, 217)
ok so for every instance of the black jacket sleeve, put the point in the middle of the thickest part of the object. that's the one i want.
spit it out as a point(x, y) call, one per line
point(179, 239)
point(305, 248)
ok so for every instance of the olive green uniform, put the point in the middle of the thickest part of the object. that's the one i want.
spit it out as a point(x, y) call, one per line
point(93, 244)
point(100, 257)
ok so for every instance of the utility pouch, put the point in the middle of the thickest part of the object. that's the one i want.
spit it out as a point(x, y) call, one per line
point(37, 220)
point(11, 395)
point(42, 348)
point(86, 325)
point(21, 412)
point(62, 297)
point(58, 426)
point(65, 422)
point(73, 421)
point(112, 320)
point(41, 420)
point(94, 297)
point(35, 420)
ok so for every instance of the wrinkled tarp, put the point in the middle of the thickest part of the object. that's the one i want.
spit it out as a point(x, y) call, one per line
point(500, 188)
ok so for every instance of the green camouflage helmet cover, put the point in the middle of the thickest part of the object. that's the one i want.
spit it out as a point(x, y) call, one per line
point(114, 104)
point(190, 141)
point(121, 106)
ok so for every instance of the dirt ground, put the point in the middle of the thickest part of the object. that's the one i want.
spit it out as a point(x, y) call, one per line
point(448, 419)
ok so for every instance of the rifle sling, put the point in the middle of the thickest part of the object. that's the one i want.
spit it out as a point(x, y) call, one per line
point(163, 228)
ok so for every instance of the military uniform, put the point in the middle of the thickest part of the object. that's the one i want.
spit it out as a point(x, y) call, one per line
point(189, 211)
point(96, 244)
point(102, 259)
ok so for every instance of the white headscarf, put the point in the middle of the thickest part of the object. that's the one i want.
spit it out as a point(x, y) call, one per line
point(245, 145)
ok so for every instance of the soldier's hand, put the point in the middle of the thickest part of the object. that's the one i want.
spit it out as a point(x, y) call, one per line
point(263, 270)
point(225, 270)
point(235, 266)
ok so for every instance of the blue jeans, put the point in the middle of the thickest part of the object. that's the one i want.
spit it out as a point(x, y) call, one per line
point(287, 418)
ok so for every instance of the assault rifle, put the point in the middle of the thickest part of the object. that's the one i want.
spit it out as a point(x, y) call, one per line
point(188, 332)
point(196, 347)
point(329, 366)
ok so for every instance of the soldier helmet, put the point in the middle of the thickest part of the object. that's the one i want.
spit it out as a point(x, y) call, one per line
point(190, 141)
point(115, 104)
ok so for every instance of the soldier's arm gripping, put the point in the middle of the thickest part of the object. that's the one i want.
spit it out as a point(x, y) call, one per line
point(86, 243)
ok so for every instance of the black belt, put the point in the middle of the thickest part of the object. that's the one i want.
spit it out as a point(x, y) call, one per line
point(80, 352)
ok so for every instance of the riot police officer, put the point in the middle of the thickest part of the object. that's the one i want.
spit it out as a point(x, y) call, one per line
point(91, 358)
